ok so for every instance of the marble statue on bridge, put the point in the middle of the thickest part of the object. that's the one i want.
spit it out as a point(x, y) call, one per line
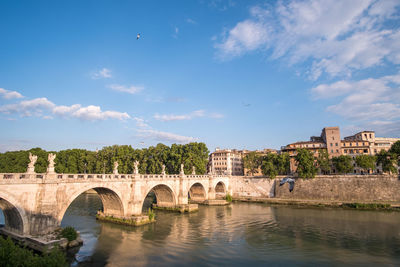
point(193, 170)
point(136, 167)
point(115, 170)
point(182, 171)
point(31, 165)
point(51, 157)
point(163, 170)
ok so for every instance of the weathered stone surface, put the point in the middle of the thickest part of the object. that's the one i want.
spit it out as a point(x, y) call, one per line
point(349, 188)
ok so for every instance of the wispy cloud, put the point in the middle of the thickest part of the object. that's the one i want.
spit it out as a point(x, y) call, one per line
point(42, 107)
point(103, 73)
point(190, 21)
point(189, 116)
point(6, 94)
point(365, 101)
point(176, 32)
point(133, 89)
point(173, 117)
point(165, 136)
point(335, 37)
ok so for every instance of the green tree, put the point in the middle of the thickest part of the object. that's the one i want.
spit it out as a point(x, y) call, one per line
point(395, 148)
point(366, 162)
point(252, 161)
point(305, 163)
point(323, 161)
point(268, 167)
point(343, 164)
point(388, 161)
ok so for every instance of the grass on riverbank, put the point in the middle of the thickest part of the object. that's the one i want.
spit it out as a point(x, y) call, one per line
point(13, 255)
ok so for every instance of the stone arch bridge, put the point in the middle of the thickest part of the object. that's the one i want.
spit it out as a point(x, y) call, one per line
point(34, 204)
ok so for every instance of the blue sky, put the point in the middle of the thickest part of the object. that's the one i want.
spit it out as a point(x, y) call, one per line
point(232, 74)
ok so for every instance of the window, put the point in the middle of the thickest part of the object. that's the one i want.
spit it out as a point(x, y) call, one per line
point(331, 144)
point(344, 144)
point(370, 135)
point(333, 138)
point(345, 151)
point(331, 150)
point(337, 150)
point(336, 144)
point(357, 144)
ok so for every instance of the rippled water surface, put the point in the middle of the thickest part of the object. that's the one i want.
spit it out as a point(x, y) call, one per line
point(239, 235)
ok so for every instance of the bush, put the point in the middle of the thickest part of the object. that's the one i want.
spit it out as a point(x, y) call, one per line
point(228, 197)
point(69, 233)
point(14, 255)
point(151, 213)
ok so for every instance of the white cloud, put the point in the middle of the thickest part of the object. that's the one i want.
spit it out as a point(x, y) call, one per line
point(335, 37)
point(38, 106)
point(189, 20)
point(172, 117)
point(165, 136)
point(140, 122)
point(93, 113)
point(6, 94)
point(103, 73)
point(126, 89)
point(363, 100)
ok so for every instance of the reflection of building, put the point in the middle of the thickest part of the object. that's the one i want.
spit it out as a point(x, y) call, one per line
point(230, 161)
point(362, 143)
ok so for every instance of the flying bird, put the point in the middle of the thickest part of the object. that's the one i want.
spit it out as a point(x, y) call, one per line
point(290, 181)
point(246, 104)
point(138, 36)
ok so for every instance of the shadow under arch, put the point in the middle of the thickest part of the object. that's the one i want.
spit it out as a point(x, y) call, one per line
point(164, 196)
point(14, 217)
point(197, 193)
point(220, 190)
point(112, 204)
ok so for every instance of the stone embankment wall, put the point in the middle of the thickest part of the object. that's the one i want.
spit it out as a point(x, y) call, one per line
point(347, 188)
point(252, 187)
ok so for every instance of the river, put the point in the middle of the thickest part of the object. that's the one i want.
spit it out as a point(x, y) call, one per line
point(239, 235)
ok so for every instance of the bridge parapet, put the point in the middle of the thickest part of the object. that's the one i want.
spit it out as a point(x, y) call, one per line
point(51, 177)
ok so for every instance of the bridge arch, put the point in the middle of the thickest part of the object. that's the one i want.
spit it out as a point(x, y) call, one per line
point(197, 192)
point(165, 195)
point(14, 216)
point(220, 189)
point(111, 200)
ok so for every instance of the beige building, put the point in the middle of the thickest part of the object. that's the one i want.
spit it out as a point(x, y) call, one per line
point(226, 161)
point(364, 142)
point(230, 161)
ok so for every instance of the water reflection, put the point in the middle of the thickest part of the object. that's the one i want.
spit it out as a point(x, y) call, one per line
point(241, 234)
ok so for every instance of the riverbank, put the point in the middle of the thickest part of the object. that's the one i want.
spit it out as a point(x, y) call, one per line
point(388, 206)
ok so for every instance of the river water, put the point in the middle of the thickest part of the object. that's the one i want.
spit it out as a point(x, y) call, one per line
point(239, 235)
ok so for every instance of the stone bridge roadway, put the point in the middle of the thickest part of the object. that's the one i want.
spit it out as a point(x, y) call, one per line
point(34, 204)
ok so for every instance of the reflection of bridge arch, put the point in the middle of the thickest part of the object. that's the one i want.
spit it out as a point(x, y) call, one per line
point(220, 189)
point(112, 204)
point(197, 192)
point(165, 196)
point(14, 217)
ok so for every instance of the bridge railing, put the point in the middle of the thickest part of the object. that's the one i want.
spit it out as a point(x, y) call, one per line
point(4, 177)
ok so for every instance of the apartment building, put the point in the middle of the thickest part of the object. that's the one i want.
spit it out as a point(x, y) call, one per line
point(364, 142)
point(230, 161)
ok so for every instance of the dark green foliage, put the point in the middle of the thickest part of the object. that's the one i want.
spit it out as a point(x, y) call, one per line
point(343, 164)
point(367, 206)
point(274, 164)
point(228, 198)
point(84, 161)
point(12, 255)
point(395, 148)
point(305, 161)
point(388, 161)
point(69, 233)
point(251, 162)
point(366, 162)
point(151, 214)
point(323, 161)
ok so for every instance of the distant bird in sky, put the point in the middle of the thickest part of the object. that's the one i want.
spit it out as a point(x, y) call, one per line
point(290, 181)
point(246, 105)
point(138, 36)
